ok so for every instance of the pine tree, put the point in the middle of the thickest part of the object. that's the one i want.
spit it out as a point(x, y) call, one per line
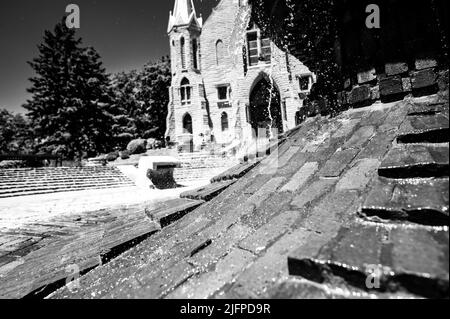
point(124, 89)
point(70, 100)
point(156, 78)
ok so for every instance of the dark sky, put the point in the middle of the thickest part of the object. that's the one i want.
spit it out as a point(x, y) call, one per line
point(126, 33)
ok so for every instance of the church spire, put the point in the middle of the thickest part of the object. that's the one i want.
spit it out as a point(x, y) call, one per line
point(184, 14)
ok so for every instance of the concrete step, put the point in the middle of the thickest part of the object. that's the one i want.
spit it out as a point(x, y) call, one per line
point(206, 173)
point(57, 169)
point(58, 181)
point(51, 191)
point(25, 182)
point(51, 176)
point(66, 190)
point(206, 164)
point(60, 174)
point(62, 186)
point(32, 182)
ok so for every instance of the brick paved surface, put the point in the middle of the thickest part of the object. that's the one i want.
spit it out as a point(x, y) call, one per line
point(351, 199)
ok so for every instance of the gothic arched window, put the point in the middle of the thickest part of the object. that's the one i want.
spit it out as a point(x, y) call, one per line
point(220, 52)
point(183, 53)
point(185, 92)
point(224, 121)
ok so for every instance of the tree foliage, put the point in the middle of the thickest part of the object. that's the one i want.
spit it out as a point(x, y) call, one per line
point(70, 100)
point(15, 133)
point(308, 30)
point(78, 110)
point(140, 102)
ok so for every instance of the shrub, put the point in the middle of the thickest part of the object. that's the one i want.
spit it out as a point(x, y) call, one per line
point(124, 155)
point(12, 164)
point(111, 157)
point(151, 143)
point(137, 146)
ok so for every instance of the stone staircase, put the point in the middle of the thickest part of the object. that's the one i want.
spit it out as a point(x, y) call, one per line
point(202, 166)
point(35, 181)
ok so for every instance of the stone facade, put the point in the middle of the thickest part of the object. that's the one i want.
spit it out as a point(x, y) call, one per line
point(215, 67)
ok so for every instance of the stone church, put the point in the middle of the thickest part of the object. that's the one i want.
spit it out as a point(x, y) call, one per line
point(225, 74)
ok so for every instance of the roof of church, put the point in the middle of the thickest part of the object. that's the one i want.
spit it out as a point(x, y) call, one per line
point(184, 14)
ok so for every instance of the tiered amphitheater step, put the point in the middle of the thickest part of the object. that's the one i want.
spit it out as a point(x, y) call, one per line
point(202, 166)
point(24, 182)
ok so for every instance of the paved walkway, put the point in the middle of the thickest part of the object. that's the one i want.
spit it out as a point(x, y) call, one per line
point(44, 238)
point(16, 212)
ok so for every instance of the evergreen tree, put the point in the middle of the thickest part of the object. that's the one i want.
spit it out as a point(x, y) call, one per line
point(156, 78)
point(124, 89)
point(70, 100)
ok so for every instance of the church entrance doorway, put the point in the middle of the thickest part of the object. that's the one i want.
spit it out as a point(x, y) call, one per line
point(265, 109)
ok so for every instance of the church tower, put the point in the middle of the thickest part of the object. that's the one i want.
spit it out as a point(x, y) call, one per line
point(185, 120)
point(184, 32)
